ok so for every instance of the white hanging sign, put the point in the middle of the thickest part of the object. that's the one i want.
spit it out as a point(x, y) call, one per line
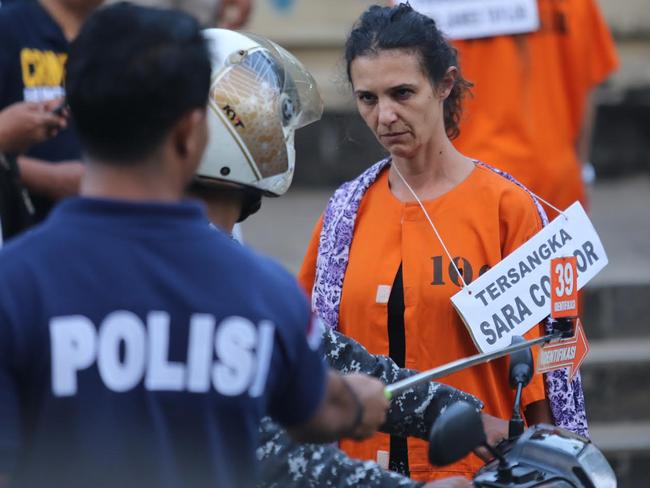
point(514, 296)
point(472, 19)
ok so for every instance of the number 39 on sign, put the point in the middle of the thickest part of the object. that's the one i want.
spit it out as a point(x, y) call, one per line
point(564, 287)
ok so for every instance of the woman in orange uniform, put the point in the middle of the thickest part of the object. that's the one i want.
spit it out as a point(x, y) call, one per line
point(531, 113)
point(375, 267)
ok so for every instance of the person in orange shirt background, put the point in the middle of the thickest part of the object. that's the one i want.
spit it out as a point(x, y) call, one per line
point(376, 268)
point(531, 113)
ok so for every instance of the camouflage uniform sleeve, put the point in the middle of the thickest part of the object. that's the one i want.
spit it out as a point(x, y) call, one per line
point(413, 412)
point(287, 464)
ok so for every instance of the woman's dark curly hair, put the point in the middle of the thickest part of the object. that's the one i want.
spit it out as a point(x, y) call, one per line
point(401, 27)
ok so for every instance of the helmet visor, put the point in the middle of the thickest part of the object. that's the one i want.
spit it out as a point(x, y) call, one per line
point(266, 94)
point(299, 85)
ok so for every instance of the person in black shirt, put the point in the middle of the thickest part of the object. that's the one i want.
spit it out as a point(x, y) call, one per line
point(22, 124)
point(34, 43)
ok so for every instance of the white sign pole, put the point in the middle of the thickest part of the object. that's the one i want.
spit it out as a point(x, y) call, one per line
point(460, 364)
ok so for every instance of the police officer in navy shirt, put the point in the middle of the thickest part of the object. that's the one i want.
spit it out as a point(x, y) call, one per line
point(139, 347)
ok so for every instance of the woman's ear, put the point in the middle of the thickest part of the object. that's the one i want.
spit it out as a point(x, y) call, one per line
point(447, 83)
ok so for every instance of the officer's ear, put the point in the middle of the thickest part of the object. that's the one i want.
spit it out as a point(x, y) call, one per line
point(188, 139)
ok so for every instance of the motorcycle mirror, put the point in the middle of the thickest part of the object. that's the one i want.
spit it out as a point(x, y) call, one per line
point(521, 365)
point(455, 433)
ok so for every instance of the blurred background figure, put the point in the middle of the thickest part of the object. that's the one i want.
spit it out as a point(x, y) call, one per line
point(34, 43)
point(229, 14)
point(531, 113)
point(22, 124)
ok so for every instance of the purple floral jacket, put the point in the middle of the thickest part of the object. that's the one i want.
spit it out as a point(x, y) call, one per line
point(565, 397)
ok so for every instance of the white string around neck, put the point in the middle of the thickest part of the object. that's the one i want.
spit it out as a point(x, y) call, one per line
point(560, 212)
point(426, 214)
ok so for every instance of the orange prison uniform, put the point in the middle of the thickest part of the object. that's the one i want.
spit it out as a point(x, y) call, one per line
point(529, 97)
point(481, 220)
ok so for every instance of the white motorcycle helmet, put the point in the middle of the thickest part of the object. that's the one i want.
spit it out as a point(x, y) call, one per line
point(259, 95)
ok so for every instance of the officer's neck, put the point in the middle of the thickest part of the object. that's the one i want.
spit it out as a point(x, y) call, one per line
point(148, 182)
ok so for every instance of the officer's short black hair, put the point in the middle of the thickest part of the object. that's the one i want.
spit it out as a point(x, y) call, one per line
point(131, 74)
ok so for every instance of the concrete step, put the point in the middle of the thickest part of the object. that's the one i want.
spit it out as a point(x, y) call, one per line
point(627, 447)
point(619, 211)
point(617, 310)
point(616, 380)
point(621, 130)
point(617, 301)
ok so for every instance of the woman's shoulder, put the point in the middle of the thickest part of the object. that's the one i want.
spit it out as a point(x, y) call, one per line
point(367, 177)
point(357, 187)
point(512, 197)
point(502, 184)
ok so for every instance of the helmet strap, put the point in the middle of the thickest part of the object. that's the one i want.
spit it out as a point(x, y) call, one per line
point(251, 203)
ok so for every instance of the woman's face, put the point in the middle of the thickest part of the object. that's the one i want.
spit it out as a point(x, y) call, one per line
point(397, 100)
